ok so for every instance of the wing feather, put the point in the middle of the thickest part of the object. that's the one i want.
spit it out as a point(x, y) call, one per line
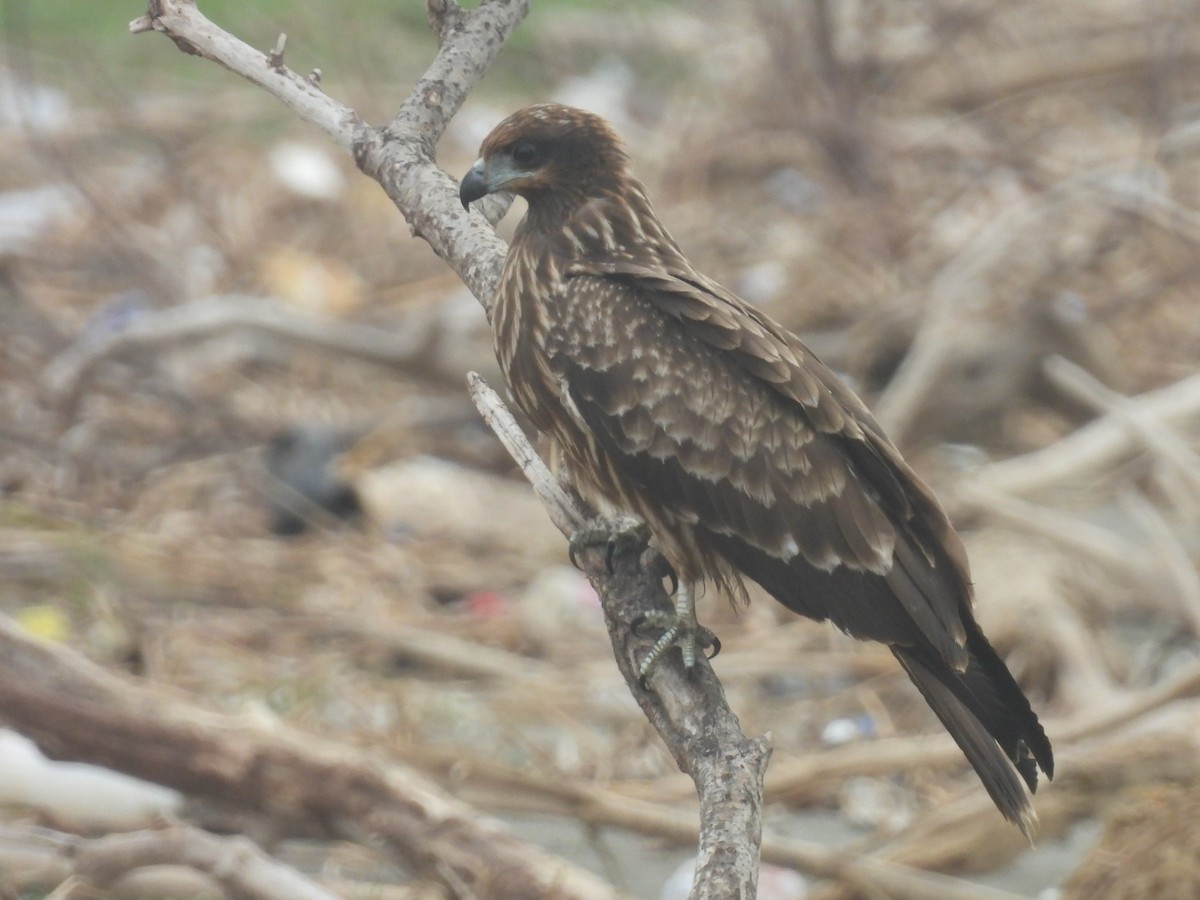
point(755, 467)
point(791, 463)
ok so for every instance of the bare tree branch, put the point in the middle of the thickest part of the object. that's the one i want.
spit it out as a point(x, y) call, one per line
point(562, 510)
point(399, 156)
point(194, 34)
point(687, 709)
point(690, 713)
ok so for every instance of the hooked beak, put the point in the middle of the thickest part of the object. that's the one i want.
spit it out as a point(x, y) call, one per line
point(488, 176)
point(474, 184)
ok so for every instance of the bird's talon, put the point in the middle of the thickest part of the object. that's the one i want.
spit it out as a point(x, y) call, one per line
point(716, 647)
point(615, 536)
point(678, 631)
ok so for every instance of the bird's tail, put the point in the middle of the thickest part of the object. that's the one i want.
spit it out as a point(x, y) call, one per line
point(991, 721)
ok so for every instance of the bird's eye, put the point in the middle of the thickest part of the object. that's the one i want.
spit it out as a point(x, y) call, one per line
point(525, 154)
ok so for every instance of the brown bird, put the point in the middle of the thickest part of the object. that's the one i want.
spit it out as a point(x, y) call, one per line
point(671, 398)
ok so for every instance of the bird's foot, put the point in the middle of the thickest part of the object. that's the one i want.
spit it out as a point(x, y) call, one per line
point(612, 535)
point(680, 629)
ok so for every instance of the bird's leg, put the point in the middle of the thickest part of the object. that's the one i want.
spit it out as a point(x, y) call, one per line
point(679, 626)
point(614, 535)
point(680, 629)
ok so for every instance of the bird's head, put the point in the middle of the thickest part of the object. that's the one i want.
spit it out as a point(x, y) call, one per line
point(548, 154)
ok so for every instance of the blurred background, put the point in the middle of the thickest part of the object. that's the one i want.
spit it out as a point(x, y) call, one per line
point(238, 458)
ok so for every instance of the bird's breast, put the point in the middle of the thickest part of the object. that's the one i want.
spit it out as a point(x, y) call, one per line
point(544, 327)
point(519, 335)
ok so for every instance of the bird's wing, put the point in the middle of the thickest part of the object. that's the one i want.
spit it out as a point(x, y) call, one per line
point(721, 418)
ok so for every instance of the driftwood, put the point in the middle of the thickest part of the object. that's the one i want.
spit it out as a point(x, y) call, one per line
point(210, 864)
point(416, 350)
point(1159, 438)
point(75, 710)
point(958, 312)
point(1095, 447)
point(1151, 425)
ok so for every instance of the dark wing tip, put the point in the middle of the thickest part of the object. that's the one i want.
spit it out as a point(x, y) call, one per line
point(1028, 768)
point(1035, 752)
point(993, 764)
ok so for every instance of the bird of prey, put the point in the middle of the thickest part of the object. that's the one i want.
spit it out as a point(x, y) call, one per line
point(672, 399)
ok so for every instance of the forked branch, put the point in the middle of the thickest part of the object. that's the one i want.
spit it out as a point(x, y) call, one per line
point(690, 713)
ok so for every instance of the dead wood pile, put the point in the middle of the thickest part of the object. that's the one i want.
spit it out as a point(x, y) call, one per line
point(988, 217)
